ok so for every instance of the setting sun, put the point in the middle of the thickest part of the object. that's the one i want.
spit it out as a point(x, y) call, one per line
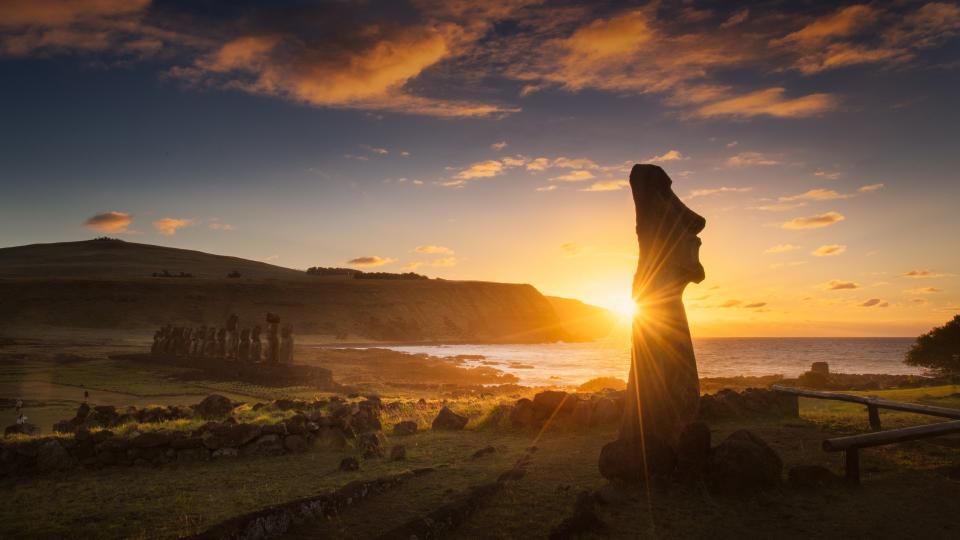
point(626, 308)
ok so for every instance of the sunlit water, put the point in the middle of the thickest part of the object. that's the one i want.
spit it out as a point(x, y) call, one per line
point(575, 363)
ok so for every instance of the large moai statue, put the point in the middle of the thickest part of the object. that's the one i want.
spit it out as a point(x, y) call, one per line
point(167, 339)
point(273, 338)
point(186, 337)
point(196, 342)
point(232, 338)
point(255, 345)
point(243, 347)
point(157, 339)
point(286, 344)
point(663, 392)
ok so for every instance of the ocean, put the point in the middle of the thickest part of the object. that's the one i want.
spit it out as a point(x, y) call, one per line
point(575, 363)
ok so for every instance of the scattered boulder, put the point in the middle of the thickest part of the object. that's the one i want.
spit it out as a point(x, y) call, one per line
point(349, 464)
point(52, 456)
point(213, 406)
point(407, 427)
point(522, 415)
point(295, 443)
point(398, 452)
point(623, 460)
point(549, 402)
point(812, 477)
point(365, 420)
point(371, 445)
point(743, 464)
point(449, 420)
point(151, 439)
point(584, 519)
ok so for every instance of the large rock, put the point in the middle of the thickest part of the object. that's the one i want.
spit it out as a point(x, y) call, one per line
point(582, 413)
point(743, 464)
point(550, 402)
point(522, 415)
point(213, 407)
point(449, 420)
point(295, 443)
point(623, 460)
point(371, 445)
point(151, 439)
point(52, 456)
point(365, 420)
point(407, 427)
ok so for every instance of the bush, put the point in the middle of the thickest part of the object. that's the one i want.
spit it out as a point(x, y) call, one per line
point(938, 349)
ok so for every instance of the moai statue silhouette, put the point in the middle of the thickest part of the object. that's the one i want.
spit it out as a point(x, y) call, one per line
point(210, 343)
point(663, 391)
point(273, 338)
point(255, 345)
point(221, 343)
point(286, 344)
point(232, 339)
point(157, 337)
point(243, 347)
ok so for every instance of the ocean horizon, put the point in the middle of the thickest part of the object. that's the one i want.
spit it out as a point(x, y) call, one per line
point(575, 363)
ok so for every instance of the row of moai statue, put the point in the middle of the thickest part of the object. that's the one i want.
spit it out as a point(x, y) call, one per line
point(227, 343)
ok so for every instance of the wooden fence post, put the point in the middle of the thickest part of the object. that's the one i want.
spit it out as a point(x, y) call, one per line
point(874, 413)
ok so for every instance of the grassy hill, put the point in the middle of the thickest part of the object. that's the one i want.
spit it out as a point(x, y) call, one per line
point(107, 284)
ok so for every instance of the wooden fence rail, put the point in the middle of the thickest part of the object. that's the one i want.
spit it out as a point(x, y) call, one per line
point(851, 445)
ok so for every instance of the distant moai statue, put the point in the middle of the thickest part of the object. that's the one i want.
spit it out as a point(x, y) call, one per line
point(210, 343)
point(196, 344)
point(157, 338)
point(183, 346)
point(243, 347)
point(286, 344)
point(232, 339)
point(221, 343)
point(273, 338)
point(166, 339)
point(176, 337)
point(255, 345)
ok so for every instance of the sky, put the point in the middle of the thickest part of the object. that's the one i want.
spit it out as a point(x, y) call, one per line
point(492, 141)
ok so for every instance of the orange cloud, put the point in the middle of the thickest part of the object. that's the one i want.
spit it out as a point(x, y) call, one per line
point(370, 260)
point(814, 222)
point(574, 176)
point(746, 159)
point(169, 226)
point(769, 102)
point(829, 250)
point(433, 250)
point(109, 222)
point(607, 185)
point(781, 248)
point(713, 191)
point(836, 285)
point(815, 195)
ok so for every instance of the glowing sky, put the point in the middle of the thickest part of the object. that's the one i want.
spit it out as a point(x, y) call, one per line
point(492, 141)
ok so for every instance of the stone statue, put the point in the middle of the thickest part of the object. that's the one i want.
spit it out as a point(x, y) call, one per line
point(286, 344)
point(273, 339)
point(243, 347)
point(221, 350)
point(255, 345)
point(232, 339)
point(157, 338)
point(210, 343)
point(196, 344)
point(663, 392)
point(183, 347)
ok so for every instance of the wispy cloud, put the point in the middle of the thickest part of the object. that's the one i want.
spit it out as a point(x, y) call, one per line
point(370, 260)
point(815, 195)
point(923, 290)
point(838, 285)
point(814, 222)
point(770, 102)
point(875, 302)
point(109, 222)
point(870, 187)
point(829, 250)
point(747, 159)
point(781, 248)
point(669, 155)
point(704, 192)
point(607, 185)
point(169, 226)
point(433, 250)
point(498, 146)
point(574, 176)
point(921, 274)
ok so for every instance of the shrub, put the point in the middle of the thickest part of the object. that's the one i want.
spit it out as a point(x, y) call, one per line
point(938, 349)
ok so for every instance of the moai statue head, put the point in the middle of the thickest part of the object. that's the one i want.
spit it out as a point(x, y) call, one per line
point(273, 318)
point(666, 231)
point(232, 322)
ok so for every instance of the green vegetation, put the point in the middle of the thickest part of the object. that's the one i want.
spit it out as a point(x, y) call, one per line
point(938, 349)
